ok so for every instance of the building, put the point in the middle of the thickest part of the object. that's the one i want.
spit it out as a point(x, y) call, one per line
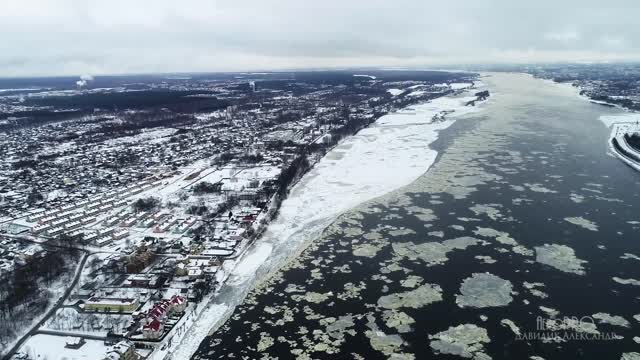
point(153, 330)
point(153, 323)
point(178, 303)
point(124, 350)
point(111, 304)
point(74, 342)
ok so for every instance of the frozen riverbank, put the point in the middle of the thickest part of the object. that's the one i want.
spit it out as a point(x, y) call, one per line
point(621, 124)
point(389, 154)
point(463, 253)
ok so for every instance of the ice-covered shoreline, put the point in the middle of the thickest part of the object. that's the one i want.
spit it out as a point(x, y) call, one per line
point(391, 153)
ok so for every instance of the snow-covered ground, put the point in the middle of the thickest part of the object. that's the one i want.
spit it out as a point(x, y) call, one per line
point(458, 86)
point(71, 321)
point(248, 264)
point(391, 153)
point(56, 291)
point(51, 347)
point(154, 135)
point(623, 118)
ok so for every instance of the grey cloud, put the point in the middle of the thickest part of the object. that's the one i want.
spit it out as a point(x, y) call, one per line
point(118, 36)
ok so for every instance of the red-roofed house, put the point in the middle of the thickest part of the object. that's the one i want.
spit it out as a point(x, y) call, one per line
point(178, 303)
point(153, 330)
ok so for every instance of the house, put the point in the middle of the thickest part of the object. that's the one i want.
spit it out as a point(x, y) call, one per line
point(123, 350)
point(194, 273)
point(153, 330)
point(153, 323)
point(103, 241)
point(181, 269)
point(120, 234)
point(73, 342)
point(178, 303)
point(111, 304)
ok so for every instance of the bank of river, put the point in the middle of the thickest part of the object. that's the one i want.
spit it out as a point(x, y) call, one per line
point(389, 154)
point(524, 219)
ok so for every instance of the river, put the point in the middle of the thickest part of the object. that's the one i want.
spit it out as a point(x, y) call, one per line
point(520, 241)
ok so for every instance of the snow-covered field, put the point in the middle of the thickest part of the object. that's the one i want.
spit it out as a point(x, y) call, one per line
point(51, 347)
point(97, 324)
point(151, 136)
point(248, 264)
point(627, 118)
point(391, 153)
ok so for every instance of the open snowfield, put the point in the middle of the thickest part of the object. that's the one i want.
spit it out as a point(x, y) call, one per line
point(389, 154)
point(155, 135)
point(248, 265)
point(51, 347)
point(626, 118)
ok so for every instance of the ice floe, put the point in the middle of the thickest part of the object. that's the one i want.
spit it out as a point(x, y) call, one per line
point(580, 221)
point(491, 210)
point(313, 297)
point(627, 256)
point(417, 298)
point(501, 236)
point(549, 311)
point(622, 281)
point(532, 287)
point(511, 325)
point(615, 320)
point(386, 344)
point(539, 188)
point(485, 259)
point(433, 253)
point(571, 323)
point(482, 290)
point(560, 257)
point(367, 250)
point(466, 340)
point(398, 320)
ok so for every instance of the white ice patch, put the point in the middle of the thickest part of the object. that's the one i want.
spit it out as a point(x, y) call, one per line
point(511, 325)
point(560, 257)
point(630, 356)
point(251, 262)
point(465, 340)
point(609, 120)
point(626, 281)
point(580, 221)
point(484, 290)
point(458, 86)
point(615, 320)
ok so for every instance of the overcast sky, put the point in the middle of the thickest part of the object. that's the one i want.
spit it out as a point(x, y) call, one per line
point(71, 37)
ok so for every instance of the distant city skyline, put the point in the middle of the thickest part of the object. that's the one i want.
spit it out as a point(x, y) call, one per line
point(70, 37)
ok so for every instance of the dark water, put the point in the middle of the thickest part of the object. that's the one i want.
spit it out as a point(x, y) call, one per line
point(536, 155)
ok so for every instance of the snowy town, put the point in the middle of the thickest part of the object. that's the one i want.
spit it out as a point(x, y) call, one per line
point(117, 227)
